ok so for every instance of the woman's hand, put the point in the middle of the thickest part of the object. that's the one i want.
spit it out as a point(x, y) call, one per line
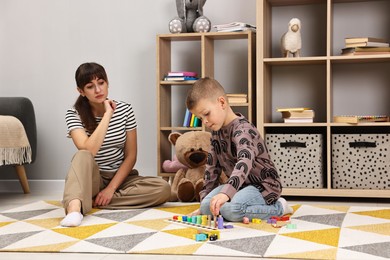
point(109, 106)
point(217, 202)
point(103, 198)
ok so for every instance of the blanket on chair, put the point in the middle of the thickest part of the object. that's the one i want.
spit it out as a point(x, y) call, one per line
point(15, 148)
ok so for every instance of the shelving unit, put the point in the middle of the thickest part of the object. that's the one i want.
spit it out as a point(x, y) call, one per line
point(200, 57)
point(321, 78)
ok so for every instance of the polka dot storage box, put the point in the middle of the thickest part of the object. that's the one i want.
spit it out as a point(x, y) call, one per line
point(298, 159)
point(361, 161)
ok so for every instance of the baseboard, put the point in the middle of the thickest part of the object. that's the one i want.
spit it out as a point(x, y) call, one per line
point(13, 186)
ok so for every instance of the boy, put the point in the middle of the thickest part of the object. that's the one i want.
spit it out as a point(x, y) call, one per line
point(253, 188)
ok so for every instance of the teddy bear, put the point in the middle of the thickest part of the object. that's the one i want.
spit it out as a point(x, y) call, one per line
point(190, 17)
point(191, 149)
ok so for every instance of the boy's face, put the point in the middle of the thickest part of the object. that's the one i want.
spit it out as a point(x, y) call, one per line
point(212, 113)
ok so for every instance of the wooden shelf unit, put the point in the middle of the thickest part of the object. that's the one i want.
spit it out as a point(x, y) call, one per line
point(341, 85)
point(165, 89)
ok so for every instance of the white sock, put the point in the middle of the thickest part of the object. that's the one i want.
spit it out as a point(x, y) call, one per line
point(73, 219)
point(286, 208)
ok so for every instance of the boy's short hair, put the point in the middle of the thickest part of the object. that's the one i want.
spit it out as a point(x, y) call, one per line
point(204, 88)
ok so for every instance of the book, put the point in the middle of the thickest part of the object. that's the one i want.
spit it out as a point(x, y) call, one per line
point(182, 74)
point(174, 78)
point(197, 122)
point(187, 118)
point(363, 39)
point(233, 100)
point(292, 109)
point(308, 113)
point(354, 119)
point(299, 120)
point(237, 98)
point(365, 50)
point(367, 44)
point(234, 26)
point(236, 95)
point(372, 49)
point(192, 120)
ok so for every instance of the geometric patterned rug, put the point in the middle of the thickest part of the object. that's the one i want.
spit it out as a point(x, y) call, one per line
point(322, 232)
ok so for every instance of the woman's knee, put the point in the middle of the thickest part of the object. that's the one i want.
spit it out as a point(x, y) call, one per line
point(82, 156)
point(161, 188)
point(165, 190)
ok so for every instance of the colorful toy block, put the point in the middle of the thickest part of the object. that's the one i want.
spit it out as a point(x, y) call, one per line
point(291, 226)
point(200, 237)
point(256, 220)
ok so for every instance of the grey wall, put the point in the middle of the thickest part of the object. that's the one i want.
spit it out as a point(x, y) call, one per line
point(43, 41)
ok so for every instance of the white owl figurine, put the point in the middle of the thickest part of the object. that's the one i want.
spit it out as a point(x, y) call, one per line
point(291, 42)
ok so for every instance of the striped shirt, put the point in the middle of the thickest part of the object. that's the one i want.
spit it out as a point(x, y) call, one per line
point(111, 153)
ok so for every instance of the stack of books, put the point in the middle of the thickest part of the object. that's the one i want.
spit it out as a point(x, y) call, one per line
point(181, 76)
point(190, 120)
point(237, 98)
point(365, 46)
point(234, 27)
point(297, 114)
point(353, 119)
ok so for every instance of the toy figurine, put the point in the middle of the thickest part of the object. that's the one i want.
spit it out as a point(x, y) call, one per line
point(291, 42)
point(190, 17)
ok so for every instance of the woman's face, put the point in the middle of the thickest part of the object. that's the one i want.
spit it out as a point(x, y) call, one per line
point(96, 91)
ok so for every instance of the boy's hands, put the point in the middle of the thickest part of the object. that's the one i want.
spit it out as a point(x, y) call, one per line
point(195, 213)
point(216, 203)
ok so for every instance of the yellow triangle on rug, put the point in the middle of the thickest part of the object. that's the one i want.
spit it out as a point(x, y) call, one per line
point(324, 236)
point(82, 232)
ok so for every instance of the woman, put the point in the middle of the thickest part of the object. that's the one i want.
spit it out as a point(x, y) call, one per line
point(101, 173)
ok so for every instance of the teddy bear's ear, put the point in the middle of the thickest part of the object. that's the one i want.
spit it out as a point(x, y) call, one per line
point(173, 137)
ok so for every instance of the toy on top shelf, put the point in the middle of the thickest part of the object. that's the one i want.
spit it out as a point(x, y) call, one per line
point(190, 17)
point(291, 42)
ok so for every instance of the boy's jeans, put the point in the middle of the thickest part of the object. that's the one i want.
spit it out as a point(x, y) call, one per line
point(248, 202)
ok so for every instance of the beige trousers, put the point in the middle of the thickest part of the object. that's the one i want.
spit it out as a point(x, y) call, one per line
point(85, 180)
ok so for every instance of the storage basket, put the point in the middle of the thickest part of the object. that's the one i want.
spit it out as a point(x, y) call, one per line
point(298, 159)
point(361, 161)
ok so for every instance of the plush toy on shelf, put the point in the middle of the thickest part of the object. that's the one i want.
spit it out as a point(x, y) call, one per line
point(191, 149)
point(190, 17)
point(291, 42)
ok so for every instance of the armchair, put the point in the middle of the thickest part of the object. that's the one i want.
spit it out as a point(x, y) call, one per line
point(23, 109)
